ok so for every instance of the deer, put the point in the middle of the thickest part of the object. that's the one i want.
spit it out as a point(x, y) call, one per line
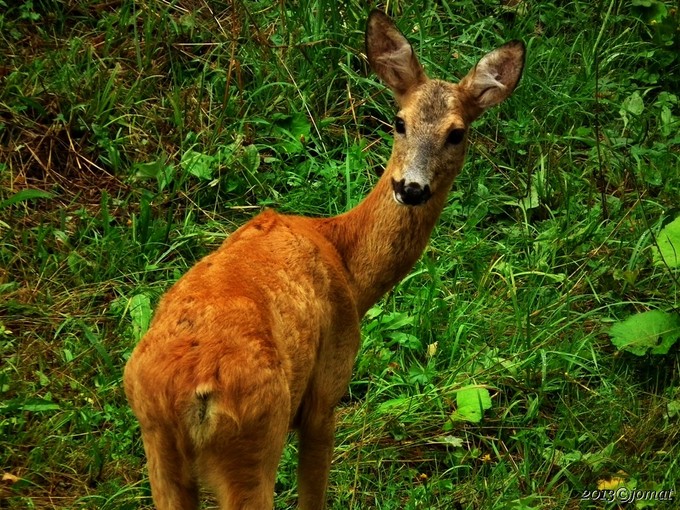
point(260, 336)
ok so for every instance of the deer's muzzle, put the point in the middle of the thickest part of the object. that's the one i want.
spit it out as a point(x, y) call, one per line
point(411, 193)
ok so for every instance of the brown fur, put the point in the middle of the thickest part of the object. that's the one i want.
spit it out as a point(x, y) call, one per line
point(260, 336)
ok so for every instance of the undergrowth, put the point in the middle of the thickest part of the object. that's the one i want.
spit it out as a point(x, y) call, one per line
point(135, 135)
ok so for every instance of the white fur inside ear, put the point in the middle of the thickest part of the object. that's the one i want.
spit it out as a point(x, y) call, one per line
point(496, 75)
point(487, 77)
point(398, 63)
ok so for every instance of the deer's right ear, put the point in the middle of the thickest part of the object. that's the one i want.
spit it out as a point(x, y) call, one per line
point(391, 56)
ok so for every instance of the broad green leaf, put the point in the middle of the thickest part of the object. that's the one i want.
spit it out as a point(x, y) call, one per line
point(654, 331)
point(634, 104)
point(405, 340)
point(396, 320)
point(294, 130)
point(251, 158)
point(667, 121)
point(140, 312)
point(23, 195)
point(668, 249)
point(159, 170)
point(148, 170)
point(651, 11)
point(673, 408)
point(597, 459)
point(471, 403)
point(454, 441)
point(198, 164)
point(560, 458)
point(531, 201)
point(418, 374)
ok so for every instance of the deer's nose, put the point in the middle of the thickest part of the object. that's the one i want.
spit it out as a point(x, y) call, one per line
point(412, 193)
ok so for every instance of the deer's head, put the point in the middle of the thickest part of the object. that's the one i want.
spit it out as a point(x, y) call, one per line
point(434, 116)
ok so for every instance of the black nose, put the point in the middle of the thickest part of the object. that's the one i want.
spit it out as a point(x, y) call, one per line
point(411, 193)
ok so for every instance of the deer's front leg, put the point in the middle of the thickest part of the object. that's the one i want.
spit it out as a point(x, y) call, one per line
point(316, 433)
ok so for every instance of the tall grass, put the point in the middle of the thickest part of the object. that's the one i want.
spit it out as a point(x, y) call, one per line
point(152, 129)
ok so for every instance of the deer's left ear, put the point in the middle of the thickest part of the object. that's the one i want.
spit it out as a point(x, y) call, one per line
point(495, 76)
point(391, 56)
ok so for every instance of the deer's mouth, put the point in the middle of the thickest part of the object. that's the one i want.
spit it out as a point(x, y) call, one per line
point(411, 193)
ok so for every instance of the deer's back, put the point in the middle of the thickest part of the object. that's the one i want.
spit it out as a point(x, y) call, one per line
point(254, 314)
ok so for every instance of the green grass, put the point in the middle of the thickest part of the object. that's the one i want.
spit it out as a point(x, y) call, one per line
point(159, 127)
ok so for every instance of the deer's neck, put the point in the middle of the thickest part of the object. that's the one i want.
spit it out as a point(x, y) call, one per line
point(380, 240)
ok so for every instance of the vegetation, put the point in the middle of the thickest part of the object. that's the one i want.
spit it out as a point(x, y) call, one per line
point(135, 135)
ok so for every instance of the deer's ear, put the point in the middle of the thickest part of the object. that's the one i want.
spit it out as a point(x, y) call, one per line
point(391, 56)
point(495, 76)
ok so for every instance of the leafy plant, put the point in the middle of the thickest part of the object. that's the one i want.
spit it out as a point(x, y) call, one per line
point(471, 402)
point(654, 332)
point(668, 245)
point(140, 312)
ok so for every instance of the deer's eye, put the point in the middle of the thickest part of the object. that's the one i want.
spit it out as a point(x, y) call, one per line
point(455, 136)
point(399, 125)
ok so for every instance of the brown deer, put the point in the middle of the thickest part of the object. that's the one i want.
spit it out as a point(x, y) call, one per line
point(261, 335)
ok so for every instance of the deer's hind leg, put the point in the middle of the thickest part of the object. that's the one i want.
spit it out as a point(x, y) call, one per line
point(173, 483)
point(240, 467)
